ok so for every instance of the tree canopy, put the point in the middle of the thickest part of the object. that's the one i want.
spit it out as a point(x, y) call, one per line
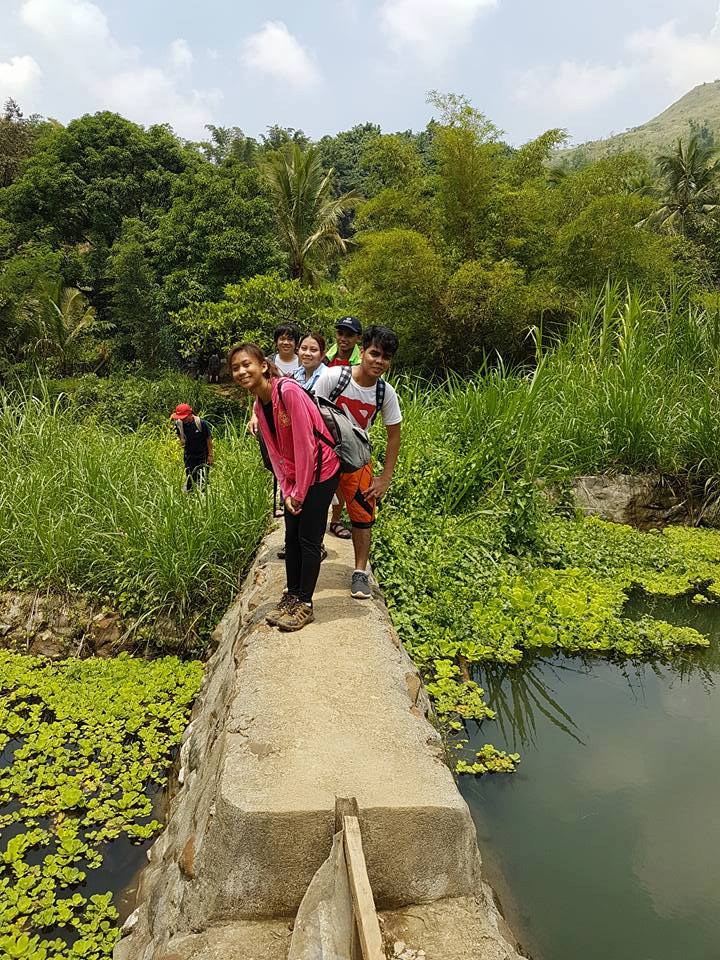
point(456, 239)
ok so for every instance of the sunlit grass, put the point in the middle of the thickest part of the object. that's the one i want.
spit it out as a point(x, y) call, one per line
point(635, 386)
point(89, 507)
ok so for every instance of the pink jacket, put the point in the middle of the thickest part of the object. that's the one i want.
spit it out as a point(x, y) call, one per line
point(294, 451)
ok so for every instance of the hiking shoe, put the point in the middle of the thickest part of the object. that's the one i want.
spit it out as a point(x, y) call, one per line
point(285, 602)
point(360, 585)
point(296, 616)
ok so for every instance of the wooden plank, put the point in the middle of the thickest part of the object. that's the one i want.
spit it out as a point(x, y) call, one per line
point(345, 807)
point(356, 947)
point(363, 904)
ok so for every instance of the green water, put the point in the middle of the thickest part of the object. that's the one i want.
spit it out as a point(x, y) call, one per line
point(605, 845)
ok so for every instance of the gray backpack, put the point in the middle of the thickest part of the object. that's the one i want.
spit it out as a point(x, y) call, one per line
point(180, 429)
point(350, 443)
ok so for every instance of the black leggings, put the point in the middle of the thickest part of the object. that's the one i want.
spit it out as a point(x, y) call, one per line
point(303, 539)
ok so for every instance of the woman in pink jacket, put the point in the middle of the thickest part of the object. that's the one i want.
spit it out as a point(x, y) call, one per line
point(307, 471)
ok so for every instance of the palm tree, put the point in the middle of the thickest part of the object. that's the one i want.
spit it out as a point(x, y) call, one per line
point(307, 210)
point(641, 183)
point(690, 173)
point(55, 322)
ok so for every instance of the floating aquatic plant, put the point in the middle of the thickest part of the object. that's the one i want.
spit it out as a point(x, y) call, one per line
point(83, 741)
point(482, 604)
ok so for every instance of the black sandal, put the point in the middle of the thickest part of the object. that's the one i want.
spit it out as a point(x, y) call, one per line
point(339, 530)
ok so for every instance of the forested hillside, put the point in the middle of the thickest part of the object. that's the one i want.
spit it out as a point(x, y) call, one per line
point(122, 246)
point(695, 113)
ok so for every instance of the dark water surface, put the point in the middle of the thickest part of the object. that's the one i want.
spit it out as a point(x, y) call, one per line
point(605, 845)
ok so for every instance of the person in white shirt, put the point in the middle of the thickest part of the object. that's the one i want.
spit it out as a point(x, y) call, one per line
point(286, 337)
point(363, 394)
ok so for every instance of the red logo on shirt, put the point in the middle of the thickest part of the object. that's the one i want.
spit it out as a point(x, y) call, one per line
point(360, 412)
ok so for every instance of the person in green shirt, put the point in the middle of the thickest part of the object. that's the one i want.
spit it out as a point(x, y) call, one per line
point(345, 352)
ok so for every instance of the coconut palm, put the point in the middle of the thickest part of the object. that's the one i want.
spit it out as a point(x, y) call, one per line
point(56, 321)
point(641, 183)
point(690, 174)
point(307, 210)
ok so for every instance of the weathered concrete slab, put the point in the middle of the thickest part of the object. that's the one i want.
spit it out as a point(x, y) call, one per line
point(456, 929)
point(242, 940)
point(319, 714)
point(285, 723)
point(464, 928)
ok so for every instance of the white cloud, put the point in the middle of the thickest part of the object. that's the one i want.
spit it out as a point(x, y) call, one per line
point(149, 96)
point(572, 87)
point(429, 29)
point(111, 75)
point(19, 77)
point(274, 51)
point(66, 19)
point(681, 60)
point(181, 57)
point(662, 56)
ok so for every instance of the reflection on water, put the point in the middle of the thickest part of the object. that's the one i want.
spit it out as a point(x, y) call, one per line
point(604, 845)
point(519, 695)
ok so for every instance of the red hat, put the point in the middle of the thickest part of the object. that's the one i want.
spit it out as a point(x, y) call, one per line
point(182, 411)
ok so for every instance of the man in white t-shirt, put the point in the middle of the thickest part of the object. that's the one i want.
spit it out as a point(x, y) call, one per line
point(286, 337)
point(363, 394)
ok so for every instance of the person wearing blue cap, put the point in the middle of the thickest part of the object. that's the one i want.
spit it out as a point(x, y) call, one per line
point(345, 352)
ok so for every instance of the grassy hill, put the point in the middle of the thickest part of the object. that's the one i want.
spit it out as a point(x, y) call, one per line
point(698, 109)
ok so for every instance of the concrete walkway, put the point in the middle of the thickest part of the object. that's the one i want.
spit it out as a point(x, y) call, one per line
point(285, 724)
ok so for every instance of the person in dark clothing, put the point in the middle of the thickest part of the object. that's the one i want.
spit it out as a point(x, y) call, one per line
point(213, 368)
point(195, 437)
point(308, 471)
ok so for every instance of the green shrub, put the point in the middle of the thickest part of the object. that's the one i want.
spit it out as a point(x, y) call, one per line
point(397, 279)
point(491, 310)
point(252, 309)
point(605, 240)
point(128, 401)
point(85, 506)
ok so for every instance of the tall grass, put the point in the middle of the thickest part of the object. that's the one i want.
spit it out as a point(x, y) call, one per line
point(91, 507)
point(635, 386)
point(133, 400)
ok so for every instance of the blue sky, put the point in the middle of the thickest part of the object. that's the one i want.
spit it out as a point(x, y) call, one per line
point(324, 66)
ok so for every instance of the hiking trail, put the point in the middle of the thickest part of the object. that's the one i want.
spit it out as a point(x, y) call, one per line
point(284, 724)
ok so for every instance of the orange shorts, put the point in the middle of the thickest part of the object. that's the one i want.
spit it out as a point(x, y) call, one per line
point(360, 508)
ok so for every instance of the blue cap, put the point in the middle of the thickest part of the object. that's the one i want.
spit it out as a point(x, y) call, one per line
point(349, 323)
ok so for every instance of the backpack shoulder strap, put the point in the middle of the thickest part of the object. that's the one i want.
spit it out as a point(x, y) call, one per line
point(198, 424)
point(379, 399)
point(342, 384)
